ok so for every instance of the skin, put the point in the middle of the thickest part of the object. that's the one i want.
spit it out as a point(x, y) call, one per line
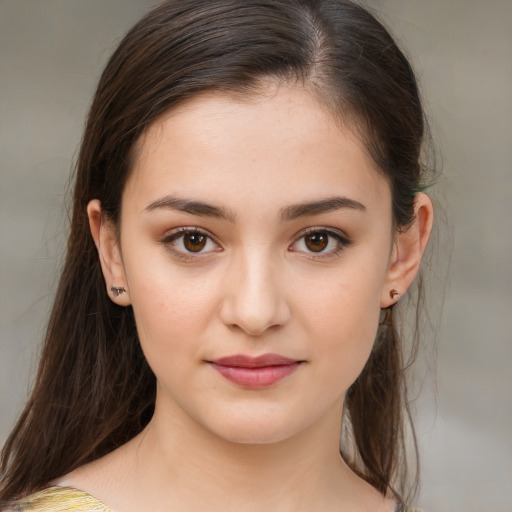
point(255, 288)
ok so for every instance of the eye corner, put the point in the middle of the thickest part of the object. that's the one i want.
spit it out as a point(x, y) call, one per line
point(335, 240)
point(175, 242)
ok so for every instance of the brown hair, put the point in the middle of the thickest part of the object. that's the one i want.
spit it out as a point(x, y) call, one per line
point(94, 390)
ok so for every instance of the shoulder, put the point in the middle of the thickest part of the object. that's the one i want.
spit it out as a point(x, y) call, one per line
point(59, 499)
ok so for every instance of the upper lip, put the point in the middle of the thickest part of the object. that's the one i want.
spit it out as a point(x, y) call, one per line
point(244, 361)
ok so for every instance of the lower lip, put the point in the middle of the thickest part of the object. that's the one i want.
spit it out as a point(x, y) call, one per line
point(256, 378)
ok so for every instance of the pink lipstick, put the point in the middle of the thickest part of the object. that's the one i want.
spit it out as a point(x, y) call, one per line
point(255, 372)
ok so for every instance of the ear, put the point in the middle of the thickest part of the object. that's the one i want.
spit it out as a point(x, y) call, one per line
point(109, 252)
point(408, 249)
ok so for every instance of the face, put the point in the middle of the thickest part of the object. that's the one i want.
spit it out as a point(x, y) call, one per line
point(256, 240)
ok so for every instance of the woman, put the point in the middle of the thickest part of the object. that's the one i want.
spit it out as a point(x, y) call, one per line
point(247, 213)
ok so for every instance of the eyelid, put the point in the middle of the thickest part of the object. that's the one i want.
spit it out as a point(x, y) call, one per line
point(175, 234)
point(341, 238)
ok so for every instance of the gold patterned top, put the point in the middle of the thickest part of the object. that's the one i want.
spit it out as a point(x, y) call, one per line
point(66, 499)
point(60, 499)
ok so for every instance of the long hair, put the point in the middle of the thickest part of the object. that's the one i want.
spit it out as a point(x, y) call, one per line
point(94, 390)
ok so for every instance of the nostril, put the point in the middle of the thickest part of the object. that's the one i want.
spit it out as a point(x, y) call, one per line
point(252, 299)
point(254, 319)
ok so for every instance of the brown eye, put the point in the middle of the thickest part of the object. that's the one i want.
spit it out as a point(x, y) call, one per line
point(317, 242)
point(321, 243)
point(190, 241)
point(194, 242)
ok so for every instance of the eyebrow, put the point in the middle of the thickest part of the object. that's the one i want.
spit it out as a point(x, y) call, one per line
point(287, 213)
point(190, 206)
point(323, 206)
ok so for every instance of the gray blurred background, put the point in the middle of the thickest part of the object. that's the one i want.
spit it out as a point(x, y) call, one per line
point(51, 54)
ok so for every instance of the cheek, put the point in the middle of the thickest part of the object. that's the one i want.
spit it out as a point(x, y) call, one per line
point(171, 307)
point(171, 323)
point(342, 316)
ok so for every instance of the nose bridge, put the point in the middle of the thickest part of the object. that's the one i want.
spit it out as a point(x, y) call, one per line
point(255, 301)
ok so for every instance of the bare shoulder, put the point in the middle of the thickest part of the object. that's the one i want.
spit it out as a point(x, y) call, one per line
point(103, 480)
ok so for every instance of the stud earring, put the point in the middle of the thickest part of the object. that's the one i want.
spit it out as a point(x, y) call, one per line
point(117, 290)
point(394, 294)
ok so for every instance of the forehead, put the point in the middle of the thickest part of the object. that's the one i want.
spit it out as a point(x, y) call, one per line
point(278, 145)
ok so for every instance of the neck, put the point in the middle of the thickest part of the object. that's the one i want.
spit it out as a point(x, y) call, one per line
point(177, 458)
point(177, 464)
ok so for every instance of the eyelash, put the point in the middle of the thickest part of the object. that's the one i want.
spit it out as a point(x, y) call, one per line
point(341, 240)
point(191, 231)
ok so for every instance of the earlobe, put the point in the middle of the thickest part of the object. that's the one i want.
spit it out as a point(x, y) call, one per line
point(109, 253)
point(408, 250)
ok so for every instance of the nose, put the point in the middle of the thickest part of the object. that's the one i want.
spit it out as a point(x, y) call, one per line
point(254, 300)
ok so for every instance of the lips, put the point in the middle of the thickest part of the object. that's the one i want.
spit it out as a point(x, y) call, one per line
point(255, 372)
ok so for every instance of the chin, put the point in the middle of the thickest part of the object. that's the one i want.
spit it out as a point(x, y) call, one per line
point(259, 429)
point(253, 436)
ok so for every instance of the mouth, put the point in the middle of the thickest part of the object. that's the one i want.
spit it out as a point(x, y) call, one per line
point(255, 372)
